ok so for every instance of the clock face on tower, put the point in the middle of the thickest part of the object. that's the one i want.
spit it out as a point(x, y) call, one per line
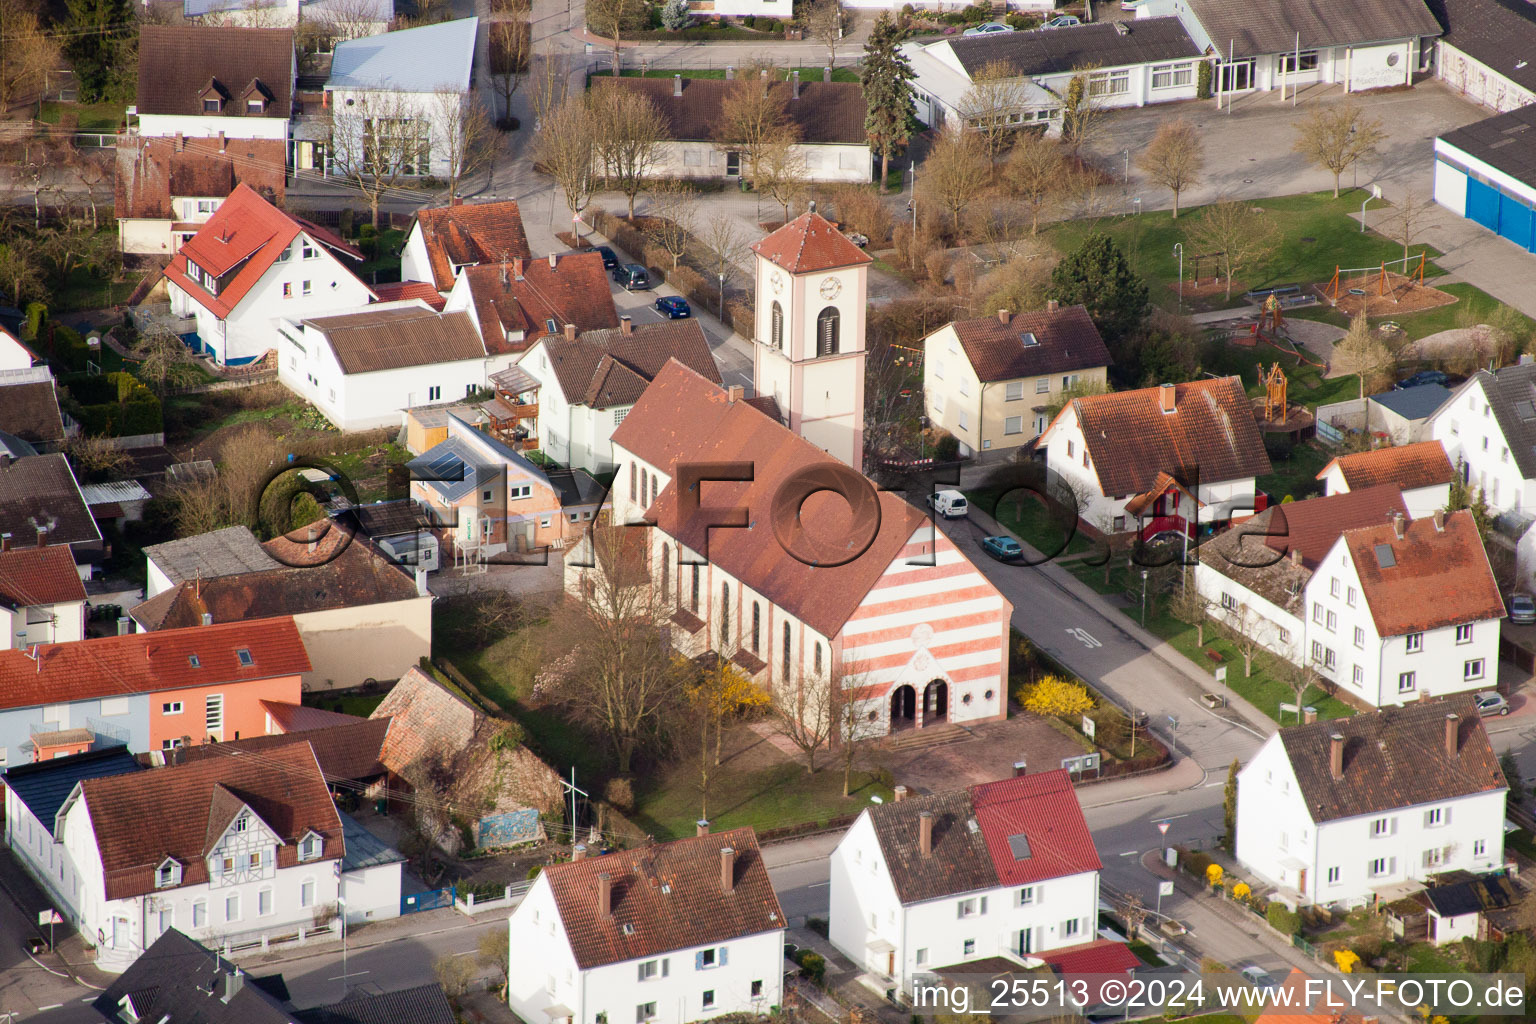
point(830, 288)
point(777, 281)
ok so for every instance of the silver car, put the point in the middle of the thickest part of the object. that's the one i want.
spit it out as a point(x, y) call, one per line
point(1522, 609)
point(1490, 703)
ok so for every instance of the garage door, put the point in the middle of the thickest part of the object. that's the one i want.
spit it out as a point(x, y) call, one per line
point(1482, 204)
point(1515, 221)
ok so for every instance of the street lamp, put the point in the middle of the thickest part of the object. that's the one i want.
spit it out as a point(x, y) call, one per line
point(1127, 167)
point(1178, 250)
point(1375, 194)
point(342, 903)
point(722, 296)
point(1143, 597)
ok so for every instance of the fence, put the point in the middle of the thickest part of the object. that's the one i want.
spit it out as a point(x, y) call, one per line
point(263, 942)
point(432, 899)
point(471, 904)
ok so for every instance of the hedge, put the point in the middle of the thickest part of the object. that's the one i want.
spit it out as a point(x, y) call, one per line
point(1282, 919)
point(116, 405)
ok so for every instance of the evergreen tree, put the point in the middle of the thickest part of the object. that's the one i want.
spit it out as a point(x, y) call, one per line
point(101, 35)
point(888, 92)
point(1464, 496)
point(1098, 276)
point(1229, 809)
point(675, 15)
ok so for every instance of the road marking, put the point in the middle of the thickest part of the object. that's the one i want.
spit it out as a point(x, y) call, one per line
point(1169, 817)
point(1130, 853)
point(1085, 638)
point(816, 885)
point(349, 974)
point(50, 1006)
point(1213, 785)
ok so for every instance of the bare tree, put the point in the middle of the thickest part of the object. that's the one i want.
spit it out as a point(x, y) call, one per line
point(511, 51)
point(1362, 352)
point(493, 951)
point(1133, 912)
point(670, 224)
point(781, 172)
point(27, 54)
point(96, 458)
point(165, 363)
point(628, 135)
point(1242, 234)
point(1334, 137)
point(1299, 676)
point(430, 821)
point(754, 113)
point(1082, 108)
point(1407, 217)
point(1036, 172)
point(377, 138)
point(1191, 606)
point(1174, 158)
point(806, 711)
point(564, 149)
point(92, 171)
point(1241, 627)
point(717, 243)
point(463, 136)
point(957, 171)
point(994, 104)
point(341, 20)
point(611, 18)
point(829, 22)
point(852, 732)
point(610, 663)
point(21, 269)
point(549, 85)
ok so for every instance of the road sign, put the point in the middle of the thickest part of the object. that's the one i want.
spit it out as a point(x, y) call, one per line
point(1162, 827)
point(1165, 888)
point(49, 917)
point(1221, 673)
point(1089, 727)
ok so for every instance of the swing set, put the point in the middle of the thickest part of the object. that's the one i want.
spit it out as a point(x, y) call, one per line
point(1413, 273)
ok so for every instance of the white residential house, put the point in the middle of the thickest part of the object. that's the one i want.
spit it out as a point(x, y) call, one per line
point(1421, 471)
point(1159, 459)
point(360, 369)
point(14, 356)
point(215, 82)
point(42, 599)
point(417, 80)
point(672, 933)
point(250, 267)
point(444, 240)
point(1000, 869)
point(1348, 810)
point(127, 856)
point(1134, 63)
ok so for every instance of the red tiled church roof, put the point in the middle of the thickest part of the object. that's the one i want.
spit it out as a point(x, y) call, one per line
point(810, 243)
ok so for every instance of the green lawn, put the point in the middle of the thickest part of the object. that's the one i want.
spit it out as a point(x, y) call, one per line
point(94, 117)
point(1520, 841)
point(781, 74)
point(1029, 520)
point(668, 804)
point(86, 289)
point(1474, 303)
point(1296, 475)
point(1317, 233)
point(348, 704)
point(1306, 383)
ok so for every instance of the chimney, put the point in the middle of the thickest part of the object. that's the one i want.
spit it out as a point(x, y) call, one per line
point(677, 85)
point(730, 73)
point(701, 827)
point(728, 869)
point(826, 74)
point(207, 618)
point(517, 268)
point(1165, 397)
point(5, 542)
point(925, 833)
point(570, 332)
point(456, 201)
point(1296, 557)
point(234, 981)
point(1336, 756)
point(578, 852)
point(1452, 724)
point(626, 325)
point(1051, 305)
point(552, 259)
point(1399, 526)
point(42, 536)
point(899, 794)
point(421, 583)
point(1439, 520)
point(794, 85)
point(1003, 316)
point(605, 894)
point(735, 393)
point(223, 146)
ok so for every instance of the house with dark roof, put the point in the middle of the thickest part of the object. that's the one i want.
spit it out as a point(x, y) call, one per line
point(231, 551)
point(517, 302)
point(165, 188)
point(1275, 45)
point(360, 614)
point(42, 599)
point(999, 870)
point(1134, 63)
point(671, 933)
point(1486, 172)
point(584, 386)
point(211, 82)
point(362, 368)
point(251, 267)
point(446, 239)
point(1463, 906)
point(904, 622)
point(1401, 416)
point(40, 504)
point(828, 118)
point(1484, 51)
point(423, 1004)
point(990, 381)
point(1349, 811)
point(1421, 471)
point(29, 409)
point(1157, 459)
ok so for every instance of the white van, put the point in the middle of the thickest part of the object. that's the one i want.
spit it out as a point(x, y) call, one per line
point(949, 504)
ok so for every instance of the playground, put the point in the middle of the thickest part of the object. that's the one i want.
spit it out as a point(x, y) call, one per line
point(1392, 288)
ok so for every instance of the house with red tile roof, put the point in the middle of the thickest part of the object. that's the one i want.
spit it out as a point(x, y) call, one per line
point(1350, 811)
point(516, 303)
point(446, 239)
point(1156, 459)
point(252, 266)
point(1002, 869)
point(151, 691)
point(42, 600)
point(989, 381)
point(903, 622)
point(166, 188)
point(671, 933)
point(230, 848)
point(1422, 471)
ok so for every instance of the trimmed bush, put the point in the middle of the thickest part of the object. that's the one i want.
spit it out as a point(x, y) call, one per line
point(750, 21)
point(37, 315)
point(1281, 919)
point(116, 405)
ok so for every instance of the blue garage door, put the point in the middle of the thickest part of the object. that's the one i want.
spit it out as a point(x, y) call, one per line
point(1515, 221)
point(1482, 204)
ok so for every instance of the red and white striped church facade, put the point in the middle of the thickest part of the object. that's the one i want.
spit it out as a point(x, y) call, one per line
point(904, 621)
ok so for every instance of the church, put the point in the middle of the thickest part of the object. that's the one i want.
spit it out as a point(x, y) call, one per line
point(854, 589)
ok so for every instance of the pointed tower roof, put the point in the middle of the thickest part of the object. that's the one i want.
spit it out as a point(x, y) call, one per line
point(810, 243)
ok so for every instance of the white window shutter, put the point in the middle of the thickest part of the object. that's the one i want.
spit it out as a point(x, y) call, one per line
point(983, 905)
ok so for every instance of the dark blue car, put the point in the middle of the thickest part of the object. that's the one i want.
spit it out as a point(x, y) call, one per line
point(610, 258)
point(673, 307)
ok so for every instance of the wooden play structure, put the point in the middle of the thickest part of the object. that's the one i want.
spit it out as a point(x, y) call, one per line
point(1268, 327)
point(1384, 282)
point(1274, 413)
point(1274, 393)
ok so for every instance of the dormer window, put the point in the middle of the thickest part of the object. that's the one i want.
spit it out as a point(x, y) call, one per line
point(255, 106)
point(310, 846)
point(211, 105)
point(168, 874)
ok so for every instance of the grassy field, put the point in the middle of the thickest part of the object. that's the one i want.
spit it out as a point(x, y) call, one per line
point(1296, 475)
point(94, 117)
point(1317, 231)
point(1306, 382)
point(348, 704)
point(1474, 306)
point(1030, 521)
point(764, 797)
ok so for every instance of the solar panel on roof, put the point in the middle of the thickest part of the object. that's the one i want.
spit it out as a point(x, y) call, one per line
point(1384, 556)
point(1019, 844)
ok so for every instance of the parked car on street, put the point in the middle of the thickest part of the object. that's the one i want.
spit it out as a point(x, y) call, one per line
point(610, 258)
point(1522, 609)
point(673, 307)
point(948, 503)
point(1258, 977)
point(1490, 702)
point(632, 276)
point(1004, 549)
point(987, 29)
point(1063, 21)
